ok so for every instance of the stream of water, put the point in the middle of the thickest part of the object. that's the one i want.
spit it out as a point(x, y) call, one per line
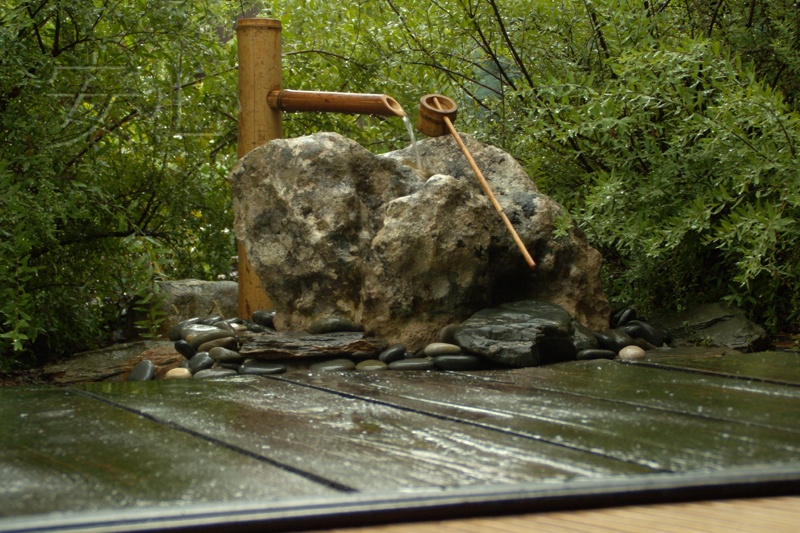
point(410, 128)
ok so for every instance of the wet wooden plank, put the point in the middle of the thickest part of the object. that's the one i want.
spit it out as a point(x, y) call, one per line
point(363, 445)
point(746, 402)
point(775, 367)
point(671, 441)
point(64, 452)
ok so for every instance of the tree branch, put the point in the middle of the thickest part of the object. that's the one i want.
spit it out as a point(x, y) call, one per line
point(751, 14)
point(507, 38)
point(714, 17)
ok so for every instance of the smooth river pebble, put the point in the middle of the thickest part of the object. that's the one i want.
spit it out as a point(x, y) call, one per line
point(211, 373)
point(333, 365)
point(457, 362)
point(419, 363)
point(178, 373)
point(632, 353)
point(143, 371)
point(442, 348)
point(393, 353)
point(261, 368)
point(372, 365)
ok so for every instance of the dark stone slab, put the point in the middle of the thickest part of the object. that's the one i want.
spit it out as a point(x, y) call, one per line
point(275, 346)
point(713, 325)
point(527, 333)
point(99, 365)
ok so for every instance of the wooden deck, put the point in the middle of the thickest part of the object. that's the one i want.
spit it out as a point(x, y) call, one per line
point(305, 451)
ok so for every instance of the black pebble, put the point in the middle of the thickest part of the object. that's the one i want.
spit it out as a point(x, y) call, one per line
point(260, 368)
point(419, 363)
point(143, 371)
point(392, 354)
point(457, 362)
point(200, 361)
point(176, 333)
point(333, 325)
point(594, 353)
point(622, 317)
point(265, 317)
point(185, 349)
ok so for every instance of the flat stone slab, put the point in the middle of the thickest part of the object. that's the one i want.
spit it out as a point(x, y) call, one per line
point(106, 364)
point(288, 346)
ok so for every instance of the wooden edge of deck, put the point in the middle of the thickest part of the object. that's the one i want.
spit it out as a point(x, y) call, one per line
point(753, 515)
point(427, 505)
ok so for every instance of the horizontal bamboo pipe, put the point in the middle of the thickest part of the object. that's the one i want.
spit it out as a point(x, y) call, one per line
point(365, 104)
point(489, 193)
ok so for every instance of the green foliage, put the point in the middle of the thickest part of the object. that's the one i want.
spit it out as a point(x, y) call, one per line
point(116, 135)
point(668, 130)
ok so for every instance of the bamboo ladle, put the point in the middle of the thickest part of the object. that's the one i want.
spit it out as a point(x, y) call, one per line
point(432, 119)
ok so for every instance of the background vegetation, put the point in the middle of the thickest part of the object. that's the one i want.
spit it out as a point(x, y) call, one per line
point(669, 129)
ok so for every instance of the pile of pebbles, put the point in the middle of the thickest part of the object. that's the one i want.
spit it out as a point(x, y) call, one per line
point(211, 348)
point(629, 338)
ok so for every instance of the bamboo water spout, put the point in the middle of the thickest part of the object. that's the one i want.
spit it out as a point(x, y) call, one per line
point(261, 107)
point(366, 104)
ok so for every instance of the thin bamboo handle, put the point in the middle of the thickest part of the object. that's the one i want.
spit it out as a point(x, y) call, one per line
point(489, 193)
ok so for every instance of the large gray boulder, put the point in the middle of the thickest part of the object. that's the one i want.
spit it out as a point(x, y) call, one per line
point(189, 298)
point(334, 230)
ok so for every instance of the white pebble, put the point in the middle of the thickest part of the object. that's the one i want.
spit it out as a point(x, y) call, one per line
point(632, 353)
point(178, 373)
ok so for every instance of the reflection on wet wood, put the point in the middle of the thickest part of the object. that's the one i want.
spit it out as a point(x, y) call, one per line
point(653, 437)
point(123, 445)
point(746, 402)
point(776, 367)
point(64, 452)
point(358, 444)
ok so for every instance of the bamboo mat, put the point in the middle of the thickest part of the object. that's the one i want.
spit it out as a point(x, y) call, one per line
point(757, 515)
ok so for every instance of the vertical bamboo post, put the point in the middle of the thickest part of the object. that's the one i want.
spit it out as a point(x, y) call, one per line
point(259, 42)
